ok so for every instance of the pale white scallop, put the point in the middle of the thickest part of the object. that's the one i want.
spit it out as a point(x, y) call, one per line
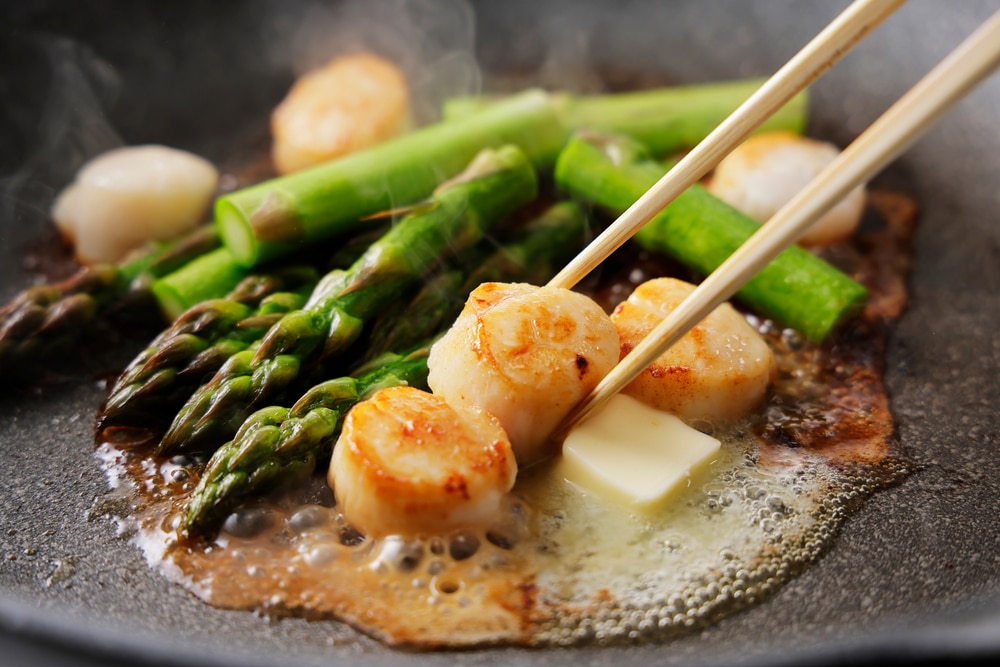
point(720, 369)
point(768, 169)
point(130, 196)
point(527, 355)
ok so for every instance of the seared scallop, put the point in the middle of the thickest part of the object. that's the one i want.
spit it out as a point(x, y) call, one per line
point(526, 355)
point(352, 102)
point(720, 369)
point(767, 170)
point(407, 463)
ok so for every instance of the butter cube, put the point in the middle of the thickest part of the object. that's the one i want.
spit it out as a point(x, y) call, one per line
point(634, 455)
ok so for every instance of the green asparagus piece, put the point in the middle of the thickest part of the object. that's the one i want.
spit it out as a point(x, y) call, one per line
point(213, 274)
point(44, 319)
point(159, 259)
point(276, 444)
point(665, 120)
point(276, 216)
point(207, 277)
point(164, 375)
point(456, 217)
point(797, 289)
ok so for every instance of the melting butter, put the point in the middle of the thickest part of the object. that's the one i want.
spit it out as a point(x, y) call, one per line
point(635, 455)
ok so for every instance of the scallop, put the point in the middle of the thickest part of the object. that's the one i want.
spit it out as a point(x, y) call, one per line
point(719, 370)
point(408, 463)
point(767, 170)
point(352, 102)
point(129, 196)
point(526, 355)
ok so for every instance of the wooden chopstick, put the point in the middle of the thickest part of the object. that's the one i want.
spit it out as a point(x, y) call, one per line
point(808, 64)
point(972, 61)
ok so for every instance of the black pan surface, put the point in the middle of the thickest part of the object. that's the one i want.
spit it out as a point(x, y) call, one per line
point(915, 574)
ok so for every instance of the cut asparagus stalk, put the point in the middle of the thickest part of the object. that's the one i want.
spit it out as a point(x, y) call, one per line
point(213, 274)
point(797, 289)
point(207, 277)
point(163, 258)
point(456, 217)
point(665, 120)
point(43, 319)
point(275, 217)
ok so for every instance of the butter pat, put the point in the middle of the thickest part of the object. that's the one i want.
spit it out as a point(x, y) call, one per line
point(635, 455)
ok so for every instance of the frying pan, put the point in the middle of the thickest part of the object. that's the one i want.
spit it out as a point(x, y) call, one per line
point(914, 574)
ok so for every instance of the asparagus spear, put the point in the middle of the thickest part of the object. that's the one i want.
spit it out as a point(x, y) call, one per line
point(277, 216)
point(206, 331)
point(167, 372)
point(536, 251)
point(350, 250)
point(45, 318)
point(797, 289)
point(276, 444)
point(664, 119)
point(288, 442)
point(456, 217)
point(419, 319)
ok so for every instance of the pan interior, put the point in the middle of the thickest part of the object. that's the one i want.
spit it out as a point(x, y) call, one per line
point(204, 77)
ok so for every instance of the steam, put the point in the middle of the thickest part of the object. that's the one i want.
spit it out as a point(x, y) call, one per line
point(66, 129)
point(432, 41)
point(567, 54)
